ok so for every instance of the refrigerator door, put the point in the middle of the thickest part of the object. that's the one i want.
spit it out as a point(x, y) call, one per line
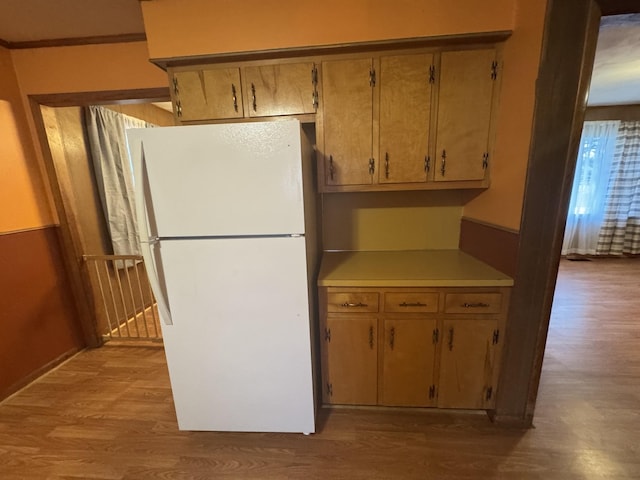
point(239, 349)
point(223, 180)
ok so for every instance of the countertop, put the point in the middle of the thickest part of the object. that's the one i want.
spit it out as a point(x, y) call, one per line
point(412, 268)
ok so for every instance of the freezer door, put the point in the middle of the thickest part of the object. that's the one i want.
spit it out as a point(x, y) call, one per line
point(223, 180)
point(239, 349)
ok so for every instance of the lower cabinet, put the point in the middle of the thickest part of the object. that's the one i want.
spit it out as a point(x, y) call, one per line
point(422, 347)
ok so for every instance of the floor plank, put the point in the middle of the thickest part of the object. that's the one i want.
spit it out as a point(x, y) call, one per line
point(108, 414)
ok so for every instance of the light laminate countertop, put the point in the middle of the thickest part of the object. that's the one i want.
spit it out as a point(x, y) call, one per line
point(412, 268)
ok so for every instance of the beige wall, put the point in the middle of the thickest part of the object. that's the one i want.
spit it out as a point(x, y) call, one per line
point(199, 27)
point(391, 220)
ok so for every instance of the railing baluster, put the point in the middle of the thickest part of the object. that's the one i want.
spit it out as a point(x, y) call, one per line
point(144, 307)
point(133, 300)
point(134, 287)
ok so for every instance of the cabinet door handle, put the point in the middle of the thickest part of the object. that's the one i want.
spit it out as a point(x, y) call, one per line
point(427, 164)
point(332, 169)
point(475, 305)
point(444, 162)
point(372, 166)
point(253, 97)
point(386, 165)
point(451, 339)
point(392, 337)
point(412, 304)
point(371, 337)
point(234, 97)
point(351, 305)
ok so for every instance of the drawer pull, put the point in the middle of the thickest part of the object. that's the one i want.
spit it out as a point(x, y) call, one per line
point(412, 304)
point(475, 305)
point(352, 305)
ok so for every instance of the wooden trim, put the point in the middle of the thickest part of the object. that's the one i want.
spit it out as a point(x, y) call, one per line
point(69, 235)
point(571, 30)
point(343, 48)
point(106, 97)
point(4, 43)
point(494, 245)
point(70, 42)
point(25, 381)
point(31, 229)
point(618, 7)
point(626, 113)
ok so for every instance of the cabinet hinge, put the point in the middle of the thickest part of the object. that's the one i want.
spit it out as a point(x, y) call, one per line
point(327, 334)
point(178, 108)
point(496, 336)
point(436, 335)
point(432, 74)
point(489, 393)
point(330, 389)
point(494, 70)
point(176, 89)
point(372, 77)
point(432, 392)
point(372, 166)
point(314, 82)
point(485, 160)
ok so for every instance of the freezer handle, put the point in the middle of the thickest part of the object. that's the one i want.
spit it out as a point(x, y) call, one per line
point(148, 245)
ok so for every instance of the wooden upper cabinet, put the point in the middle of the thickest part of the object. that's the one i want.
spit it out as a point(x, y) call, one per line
point(206, 94)
point(405, 110)
point(347, 106)
point(285, 89)
point(466, 84)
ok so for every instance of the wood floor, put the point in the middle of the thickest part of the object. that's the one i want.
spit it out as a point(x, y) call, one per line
point(108, 414)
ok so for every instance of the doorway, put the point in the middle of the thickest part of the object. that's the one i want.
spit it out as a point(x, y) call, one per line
point(112, 294)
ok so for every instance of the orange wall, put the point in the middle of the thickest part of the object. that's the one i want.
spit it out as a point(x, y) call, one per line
point(117, 66)
point(199, 27)
point(502, 203)
point(23, 201)
point(177, 28)
point(86, 68)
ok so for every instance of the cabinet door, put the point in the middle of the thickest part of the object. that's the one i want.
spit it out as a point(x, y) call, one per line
point(286, 89)
point(467, 364)
point(211, 94)
point(347, 121)
point(351, 361)
point(405, 108)
point(464, 114)
point(408, 362)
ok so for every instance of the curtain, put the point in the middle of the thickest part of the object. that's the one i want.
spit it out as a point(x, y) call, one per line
point(588, 195)
point(114, 175)
point(620, 233)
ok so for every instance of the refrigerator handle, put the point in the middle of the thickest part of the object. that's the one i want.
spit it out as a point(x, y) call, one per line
point(148, 243)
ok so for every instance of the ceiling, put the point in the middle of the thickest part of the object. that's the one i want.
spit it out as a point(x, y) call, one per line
point(615, 79)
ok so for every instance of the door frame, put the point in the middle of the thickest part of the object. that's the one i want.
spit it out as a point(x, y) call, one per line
point(69, 231)
point(568, 50)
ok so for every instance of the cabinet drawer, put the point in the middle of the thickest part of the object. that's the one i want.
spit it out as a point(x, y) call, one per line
point(473, 303)
point(352, 302)
point(410, 302)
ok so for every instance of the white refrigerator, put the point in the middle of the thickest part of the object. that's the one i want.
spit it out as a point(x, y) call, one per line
point(227, 224)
